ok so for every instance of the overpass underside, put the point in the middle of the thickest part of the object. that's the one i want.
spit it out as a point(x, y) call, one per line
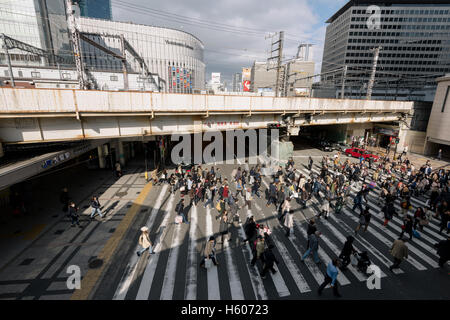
point(41, 115)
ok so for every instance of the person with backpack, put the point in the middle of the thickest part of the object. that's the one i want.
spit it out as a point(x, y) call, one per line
point(95, 205)
point(144, 242)
point(269, 259)
point(220, 207)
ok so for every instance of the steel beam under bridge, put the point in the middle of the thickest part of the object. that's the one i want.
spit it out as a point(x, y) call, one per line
point(36, 115)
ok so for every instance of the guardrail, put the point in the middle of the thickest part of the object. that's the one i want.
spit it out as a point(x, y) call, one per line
point(51, 102)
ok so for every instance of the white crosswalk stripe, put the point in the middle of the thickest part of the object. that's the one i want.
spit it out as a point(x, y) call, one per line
point(130, 271)
point(213, 277)
point(149, 273)
point(191, 277)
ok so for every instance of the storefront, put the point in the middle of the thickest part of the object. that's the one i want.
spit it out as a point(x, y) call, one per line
point(384, 135)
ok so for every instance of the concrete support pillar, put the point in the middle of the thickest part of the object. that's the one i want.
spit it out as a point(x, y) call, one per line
point(1, 150)
point(120, 156)
point(132, 150)
point(101, 157)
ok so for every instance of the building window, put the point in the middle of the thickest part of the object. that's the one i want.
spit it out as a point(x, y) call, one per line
point(445, 99)
point(20, 74)
point(113, 78)
point(35, 74)
point(66, 76)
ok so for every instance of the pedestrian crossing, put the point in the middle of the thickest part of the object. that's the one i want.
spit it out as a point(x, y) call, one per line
point(158, 276)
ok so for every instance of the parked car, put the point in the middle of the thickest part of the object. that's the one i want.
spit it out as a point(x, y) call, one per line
point(340, 146)
point(357, 152)
point(325, 145)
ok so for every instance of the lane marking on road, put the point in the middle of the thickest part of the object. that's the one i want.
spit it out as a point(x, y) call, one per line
point(131, 268)
point(149, 273)
point(294, 270)
point(191, 275)
point(92, 276)
point(213, 276)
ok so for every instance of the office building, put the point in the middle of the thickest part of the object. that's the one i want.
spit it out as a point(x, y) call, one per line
point(40, 23)
point(100, 9)
point(415, 48)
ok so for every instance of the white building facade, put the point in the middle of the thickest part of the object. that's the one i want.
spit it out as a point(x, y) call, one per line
point(175, 56)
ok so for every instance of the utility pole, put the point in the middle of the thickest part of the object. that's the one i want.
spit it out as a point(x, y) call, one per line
point(372, 76)
point(8, 58)
point(76, 44)
point(124, 63)
point(278, 57)
point(344, 75)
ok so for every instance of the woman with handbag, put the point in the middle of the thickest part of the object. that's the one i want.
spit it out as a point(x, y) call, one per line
point(144, 242)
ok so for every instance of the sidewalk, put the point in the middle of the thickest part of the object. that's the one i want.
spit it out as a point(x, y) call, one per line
point(37, 248)
point(417, 159)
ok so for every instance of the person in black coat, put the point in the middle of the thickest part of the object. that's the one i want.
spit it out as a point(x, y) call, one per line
point(250, 230)
point(346, 252)
point(311, 229)
point(408, 227)
point(443, 250)
point(269, 259)
point(73, 213)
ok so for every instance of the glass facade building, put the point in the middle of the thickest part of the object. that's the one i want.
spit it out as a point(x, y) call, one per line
point(414, 40)
point(40, 23)
point(100, 9)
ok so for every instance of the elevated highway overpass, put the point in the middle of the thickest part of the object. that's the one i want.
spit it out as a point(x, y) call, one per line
point(45, 115)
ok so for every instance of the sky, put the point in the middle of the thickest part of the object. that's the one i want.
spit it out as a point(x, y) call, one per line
point(228, 51)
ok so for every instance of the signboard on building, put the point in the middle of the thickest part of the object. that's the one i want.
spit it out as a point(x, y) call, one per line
point(246, 85)
point(180, 80)
point(215, 78)
point(246, 73)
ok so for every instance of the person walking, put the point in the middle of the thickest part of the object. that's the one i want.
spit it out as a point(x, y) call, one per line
point(258, 250)
point(209, 252)
point(310, 163)
point(95, 205)
point(64, 199)
point(330, 278)
point(407, 227)
point(439, 155)
point(179, 209)
point(250, 230)
point(357, 201)
point(224, 229)
point(346, 252)
point(362, 220)
point(269, 259)
point(313, 247)
point(144, 242)
point(118, 169)
point(443, 250)
point(248, 198)
point(209, 197)
point(289, 222)
point(73, 214)
point(399, 251)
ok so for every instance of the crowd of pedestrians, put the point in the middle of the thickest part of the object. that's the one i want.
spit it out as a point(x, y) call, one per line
point(337, 184)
